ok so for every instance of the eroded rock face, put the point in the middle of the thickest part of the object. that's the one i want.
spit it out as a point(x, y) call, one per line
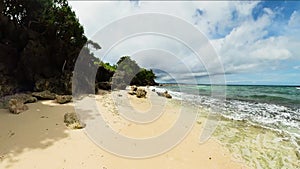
point(44, 95)
point(119, 80)
point(72, 121)
point(104, 85)
point(16, 106)
point(61, 99)
point(141, 93)
point(7, 85)
point(61, 84)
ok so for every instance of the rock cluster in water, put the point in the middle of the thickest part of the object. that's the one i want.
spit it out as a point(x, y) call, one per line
point(164, 94)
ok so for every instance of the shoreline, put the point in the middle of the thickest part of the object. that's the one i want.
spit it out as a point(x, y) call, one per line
point(38, 138)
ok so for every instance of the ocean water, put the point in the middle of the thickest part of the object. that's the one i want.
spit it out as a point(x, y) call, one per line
point(259, 124)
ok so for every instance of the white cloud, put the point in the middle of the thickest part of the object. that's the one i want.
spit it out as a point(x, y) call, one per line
point(243, 44)
point(294, 21)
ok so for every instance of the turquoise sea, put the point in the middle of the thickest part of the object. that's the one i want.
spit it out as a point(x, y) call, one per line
point(258, 124)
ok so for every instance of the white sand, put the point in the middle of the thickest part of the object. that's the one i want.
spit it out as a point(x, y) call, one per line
point(38, 138)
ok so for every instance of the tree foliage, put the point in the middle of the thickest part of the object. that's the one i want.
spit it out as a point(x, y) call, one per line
point(129, 72)
point(38, 39)
point(143, 78)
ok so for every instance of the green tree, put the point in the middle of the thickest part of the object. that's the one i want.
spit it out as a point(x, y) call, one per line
point(39, 39)
point(143, 78)
point(130, 73)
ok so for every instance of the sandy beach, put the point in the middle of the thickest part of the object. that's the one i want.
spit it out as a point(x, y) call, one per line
point(38, 138)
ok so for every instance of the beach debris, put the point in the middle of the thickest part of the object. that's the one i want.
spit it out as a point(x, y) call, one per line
point(297, 153)
point(164, 94)
point(1, 157)
point(141, 93)
point(62, 99)
point(44, 95)
point(72, 121)
point(11, 133)
point(16, 106)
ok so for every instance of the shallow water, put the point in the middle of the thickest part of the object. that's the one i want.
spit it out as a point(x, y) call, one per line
point(259, 147)
point(256, 128)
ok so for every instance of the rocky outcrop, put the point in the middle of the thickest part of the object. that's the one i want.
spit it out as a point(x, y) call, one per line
point(62, 99)
point(61, 84)
point(72, 121)
point(45, 95)
point(164, 94)
point(141, 93)
point(8, 86)
point(21, 97)
point(133, 88)
point(16, 106)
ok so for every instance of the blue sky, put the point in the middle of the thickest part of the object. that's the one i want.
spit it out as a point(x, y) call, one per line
point(256, 42)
